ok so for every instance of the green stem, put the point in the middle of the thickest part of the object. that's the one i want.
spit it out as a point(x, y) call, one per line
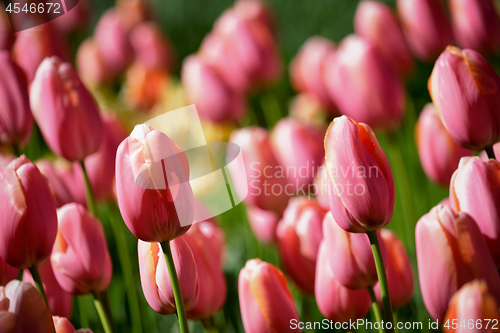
point(208, 325)
point(375, 308)
point(396, 321)
point(16, 150)
point(179, 303)
point(382, 278)
point(106, 323)
point(38, 283)
point(490, 152)
point(88, 191)
point(82, 310)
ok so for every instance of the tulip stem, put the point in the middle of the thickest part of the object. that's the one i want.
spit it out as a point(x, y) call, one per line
point(38, 283)
point(208, 325)
point(382, 278)
point(179, 302)
point(106, 323)
point(88, 191)
point(82, 310)
point(375, 308)
point(490, 152)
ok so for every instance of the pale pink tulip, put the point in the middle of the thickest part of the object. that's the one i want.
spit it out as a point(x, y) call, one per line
point(263, 223)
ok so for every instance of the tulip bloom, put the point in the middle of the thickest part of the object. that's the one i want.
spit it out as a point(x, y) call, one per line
point(364, 85)
point(63, 325)
point(476, 24)
point(439, 154)
point(464, 89)
point(426, 26)
point(451, 252)
point(28, 215)
point(266, 303)
point(16, 120)
point(335, 301)
point(362, 192)
point(65, 111)
point(80, 257)
point(7, 272)
point(152, 186)
point(377, 23)
point(263, 223)
point(475, 190)
point(472, 303)
point(155, 278)
point(151, 48)
point(90, 64)
point(299, 234)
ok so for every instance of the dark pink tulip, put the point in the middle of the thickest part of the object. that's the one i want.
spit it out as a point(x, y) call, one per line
point(6, 35)
point(266, 178)
point(215, 100)
point(90, 64)
point(439, 154)
point(263, 223)
point(60, 302)
point(351, 261)
point(16, 120)
point(299, 148)
point(335, 301)
point(299, 235)
point(155, 208)
point(362, 187)
point(364, 85)
point(307, 69)
point(28, 215)
point(151, 48)
point(426, 26)
point(475, 190)
point(266, 303)
point(155, 279)
point(7, 272)
point(464, 89)
point(476, 24)
point(451, 252)
point(65, 111)
point(80, 257)
point(377, 23)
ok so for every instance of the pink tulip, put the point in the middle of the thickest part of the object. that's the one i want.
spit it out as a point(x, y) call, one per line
point(80, 257)
point(427, 29)
point(28, 215)
point(475, 190)
point(22, 309)
point(77, 18)
point(362, 187)
point(16, 120)
point(463, 87)
point(257, 10)
point(90, 64)
point(351, 261)
point(150, 47)
point(307, 69)
point(321, 185)
point(451, 252)
point(60, 302)
point(439, 154)
point(377, 23)
point(472, 304)
point(155, 278)
point(299, 235)
point(476, 24)
point(5, 159)
point(266, 303)
point(65, 111)
point(398, 270)
point(133, 12)
point(154, 208)
point(335, 301)
point(263, 224)
point(364, 85)
point(206, 240)
point(215, 100)
point(6, 35)
point(7, 272)
point(63, 325)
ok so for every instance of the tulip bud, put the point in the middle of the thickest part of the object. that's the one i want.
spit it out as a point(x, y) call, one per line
point(362, 187)
point(80, 257)
point(352, 264)
point(215, 100)
point(28, 215)
point(263, 224)
point(472, 304)
point(439, 154)
point(475, 190)
point(16, 120)
point(464, 89)
point(476, 24)
point(307, 69)
point(151, 49)
point(63, 325)
point(90, 64)
point(335, 301)
point(65, 111)
point(299, 234)
point(266, 303)
point(7, 272)
point(152, 186)
point(364, 85)
point(426, 27)
point(377, 23)
point(450, 252)
point(155, 278)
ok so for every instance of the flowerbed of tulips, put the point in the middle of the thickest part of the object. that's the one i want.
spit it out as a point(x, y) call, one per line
point(367, 196)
